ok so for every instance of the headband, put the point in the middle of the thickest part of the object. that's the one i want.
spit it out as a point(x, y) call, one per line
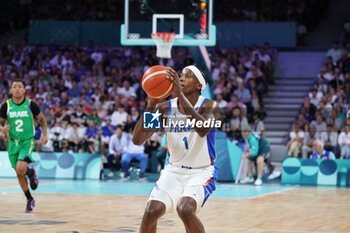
point(198, 74)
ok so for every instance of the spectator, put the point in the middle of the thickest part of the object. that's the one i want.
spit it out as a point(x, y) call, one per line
point(301, 32)
point(107, 132)
point(64, 144)
point(134, 114)
point(308, 142)
point(56, 135)
point(117, 144)
point(335, 52)
point(258, 124)
point(325, 109)
point(320, 152)
point(336, 119)
point(132, 151)
point(74, 91)
point(344, 142)
point(92, 135)
point(126, 90)
point(320, 125)
point(74, 138)
point(309, 108)
point(330, 139)
point(221, 102)
point(79, 116)
point(237, 122)
point(296, 137)
point(101, 112)
point(119, 117)
point(235, 103)
point(252, 150)
point(244, 96)
point(48, 115)
point(315, 97)
point(94, 116)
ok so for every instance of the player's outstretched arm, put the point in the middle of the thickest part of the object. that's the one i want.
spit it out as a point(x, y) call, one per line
point(43, 124)
point(140, 135)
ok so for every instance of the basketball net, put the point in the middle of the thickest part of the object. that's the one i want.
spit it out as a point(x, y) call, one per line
point(164, 42)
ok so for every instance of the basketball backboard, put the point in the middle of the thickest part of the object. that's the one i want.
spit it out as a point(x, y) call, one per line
point(191, 20)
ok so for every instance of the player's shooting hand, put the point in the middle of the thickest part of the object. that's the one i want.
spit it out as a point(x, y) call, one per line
point(43, 139)
point(5, 130)
point(174, 78)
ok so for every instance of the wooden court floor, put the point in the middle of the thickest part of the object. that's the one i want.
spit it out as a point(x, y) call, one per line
point(297, 210)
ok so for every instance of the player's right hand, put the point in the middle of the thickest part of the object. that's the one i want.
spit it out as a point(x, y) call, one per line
point(5, 130)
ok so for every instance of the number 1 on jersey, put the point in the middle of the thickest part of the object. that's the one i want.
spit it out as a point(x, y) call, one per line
point(185, 141)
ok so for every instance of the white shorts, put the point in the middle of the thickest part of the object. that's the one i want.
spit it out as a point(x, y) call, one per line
point(105, 139)
point(175, 182)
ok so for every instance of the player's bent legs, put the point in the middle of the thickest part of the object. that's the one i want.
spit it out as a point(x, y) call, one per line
point(21, 170)
point(187, 208)
point(154, 210)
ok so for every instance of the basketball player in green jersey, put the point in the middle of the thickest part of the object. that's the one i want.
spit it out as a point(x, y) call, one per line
point(19, 112)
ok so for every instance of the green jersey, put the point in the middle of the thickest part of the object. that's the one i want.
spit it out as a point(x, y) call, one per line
point(20, 119)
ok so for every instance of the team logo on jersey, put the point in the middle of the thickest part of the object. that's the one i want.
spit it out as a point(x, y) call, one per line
point(151, 120)
point(19, 114)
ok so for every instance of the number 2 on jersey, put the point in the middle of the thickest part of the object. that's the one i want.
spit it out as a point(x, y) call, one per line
point(19, 124)
point(185, 141)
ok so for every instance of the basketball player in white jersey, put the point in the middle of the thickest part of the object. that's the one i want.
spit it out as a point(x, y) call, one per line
point(190, 176)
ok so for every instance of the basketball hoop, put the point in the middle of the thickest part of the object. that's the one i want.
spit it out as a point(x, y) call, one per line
point(164, 42)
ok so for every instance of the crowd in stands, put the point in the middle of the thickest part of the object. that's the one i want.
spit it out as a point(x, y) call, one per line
point(85, 93)
point(241, 77)
point(325, 114)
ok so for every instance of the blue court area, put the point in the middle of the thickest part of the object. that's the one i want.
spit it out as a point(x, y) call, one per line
point(140, 188)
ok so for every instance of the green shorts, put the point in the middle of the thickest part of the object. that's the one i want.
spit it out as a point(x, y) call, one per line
point(20, 150)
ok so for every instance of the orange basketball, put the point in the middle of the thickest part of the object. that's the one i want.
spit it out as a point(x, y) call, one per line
point(155, 82)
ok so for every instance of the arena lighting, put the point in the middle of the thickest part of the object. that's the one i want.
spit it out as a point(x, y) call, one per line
point(198, 7)
point(203, 5)
point(203, 23)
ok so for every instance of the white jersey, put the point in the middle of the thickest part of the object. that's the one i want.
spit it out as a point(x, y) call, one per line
point(186, 148)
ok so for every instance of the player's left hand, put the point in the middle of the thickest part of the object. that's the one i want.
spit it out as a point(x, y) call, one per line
point(43, 139)
point(174, 78)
